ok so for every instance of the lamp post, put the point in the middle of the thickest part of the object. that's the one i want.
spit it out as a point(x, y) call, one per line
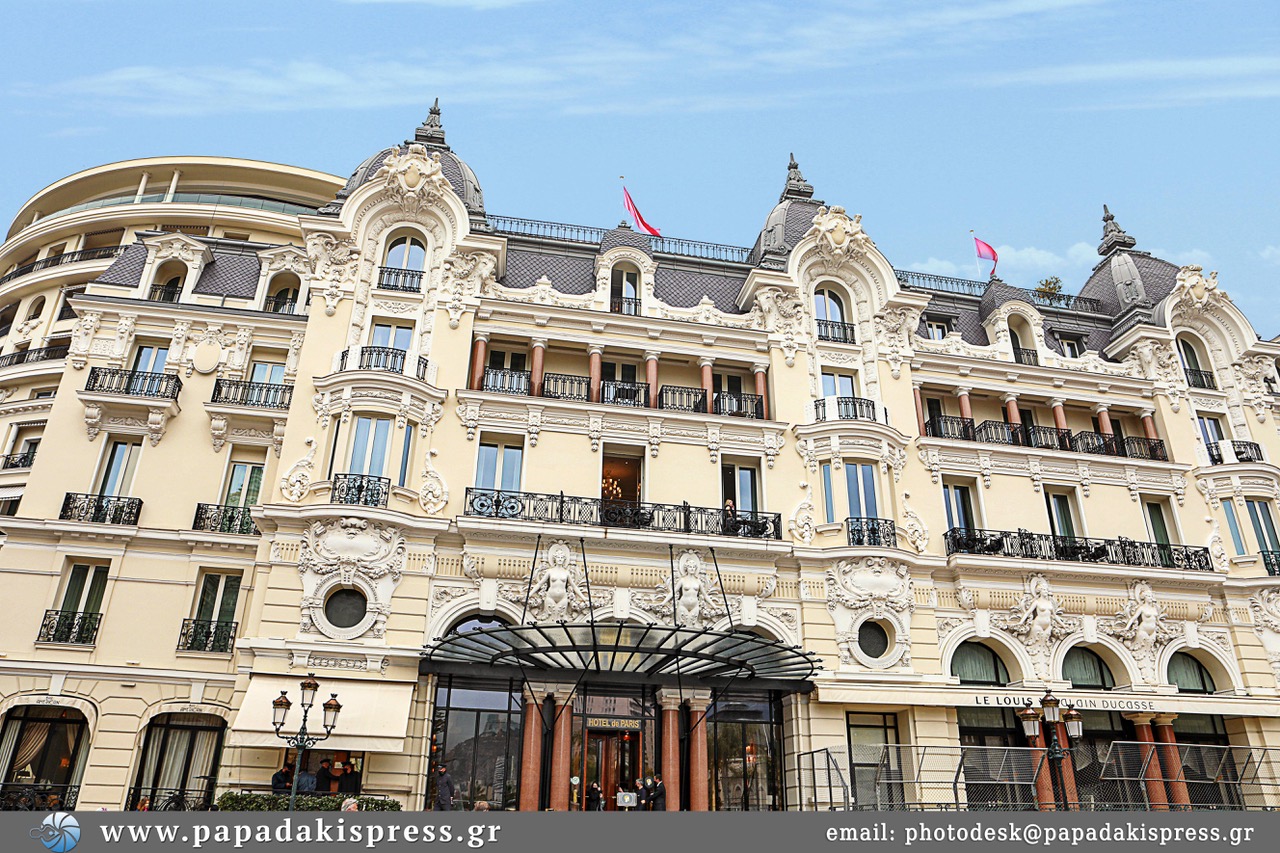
point(303, 740)
point(1044, 722)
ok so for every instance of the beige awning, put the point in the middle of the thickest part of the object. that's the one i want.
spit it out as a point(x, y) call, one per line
point(374, 718)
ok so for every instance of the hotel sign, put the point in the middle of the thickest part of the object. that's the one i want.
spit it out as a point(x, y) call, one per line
point(1083, 703)
point(617, 724)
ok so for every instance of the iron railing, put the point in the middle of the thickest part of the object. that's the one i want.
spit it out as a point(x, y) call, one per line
point(224, 518)
point(1047, 437)
point(1022, 355)
point(360, 489)
point(37, 797)
point(424, 369)
point(164, 293)
point(681, 398)
point(874, 532)
point(565, 386)
point(1141, 447)
point(972, 287)
point(1245, 451)
point(70, 627)
point(845, 409)
point(1026, 545)
point(18, 460)
point(588, 234)
point(1052, 438)
point(264, 395)
point(1271, 562)
point(389, 359)
point(206, 635)
point(100, 509)
point(1201, 379)
point(837, 332)
point(394, 278)
point(37, 354)
point(280, 304)
point(1097, 443)
point(65, 258)
point(999, 432)
point(134, 383)
point(501, 381)
point(628, 305)
point(618, 393)
point(738, 405)
point(600, 512)
point(950, 426)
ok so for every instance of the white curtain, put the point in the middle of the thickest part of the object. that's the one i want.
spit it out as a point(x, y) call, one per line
point(29, 748)
point(174, 758)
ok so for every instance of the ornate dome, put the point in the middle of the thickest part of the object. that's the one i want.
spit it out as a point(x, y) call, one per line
point(431, 134)
point(789, 220)
point(1125, 277)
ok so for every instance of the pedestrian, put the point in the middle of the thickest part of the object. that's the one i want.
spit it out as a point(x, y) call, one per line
point(324, 777)
point(642, 796)
point(445, 790)
point(595, 797)
point(658, 796)
point(306, 781)
point(282, 779)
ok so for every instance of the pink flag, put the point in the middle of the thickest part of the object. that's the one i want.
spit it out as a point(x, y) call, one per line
point(635, 215)
point(987, 253)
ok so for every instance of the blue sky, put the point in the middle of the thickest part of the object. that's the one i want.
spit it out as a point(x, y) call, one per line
point(1016, 118)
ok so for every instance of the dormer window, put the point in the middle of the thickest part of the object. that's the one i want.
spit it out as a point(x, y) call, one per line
point(406, 259)
point(283, 293)
point(167, 285)
point(624, 290)
point(1072, 346)
point(937, 328)
point(37, 308)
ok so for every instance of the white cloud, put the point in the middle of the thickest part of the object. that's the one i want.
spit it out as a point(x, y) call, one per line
point(935, 266)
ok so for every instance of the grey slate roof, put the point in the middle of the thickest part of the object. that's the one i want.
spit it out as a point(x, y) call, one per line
point(1158, 278)
point(230, 275)
point(624, 235)
point(569, 273)
point(127, 268)
point(685, 288)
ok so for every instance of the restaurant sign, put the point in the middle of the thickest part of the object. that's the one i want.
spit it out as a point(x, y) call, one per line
point(1083, 703)
point(617, 724)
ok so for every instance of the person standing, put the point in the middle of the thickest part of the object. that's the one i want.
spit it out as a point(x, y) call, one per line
point(306, 781)
point(282, 779)
point(349, 781)
point(594, 797)
point(658, 795)
point(642, 796)
point(445, 790)
point(324, 777)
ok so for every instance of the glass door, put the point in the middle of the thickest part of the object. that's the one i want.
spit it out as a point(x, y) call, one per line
point(369, 446)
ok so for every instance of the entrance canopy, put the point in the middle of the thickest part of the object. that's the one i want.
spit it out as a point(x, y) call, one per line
point(618, 652)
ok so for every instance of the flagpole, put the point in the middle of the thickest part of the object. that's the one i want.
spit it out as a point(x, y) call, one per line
point(977, 265)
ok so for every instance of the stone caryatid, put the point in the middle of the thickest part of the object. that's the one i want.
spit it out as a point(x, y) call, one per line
point(1038, 621)
point(1142, 626)
point(691, 599)
point(558, 590)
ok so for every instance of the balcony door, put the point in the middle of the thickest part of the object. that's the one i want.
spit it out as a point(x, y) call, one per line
point(959, 506)
point(838, 385)
point(85, 587)
point(267, 373)
point(391, 337)
point(741, 487)
point(1210, 430)
point(44, 748)
point(1263, 525)
point(244, 485)
point(117, 475)
point(150, 359)
point(370, 445)
point(218, 596)
point(498, 466)
point(1061, 515)
point(179, 760)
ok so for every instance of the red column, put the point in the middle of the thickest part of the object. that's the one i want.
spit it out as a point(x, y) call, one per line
point(1011, 409)
point(671, 747)
point(538, 367)
point(1044, 782)
point(1059, 414)
point(966, 410)
point(1149, 424)
point(651, 376)
point(699, 799)
point(594, 371)
point(479, 348)
point(915, 392)
point(560, 755)
point(1152, 775)
point(762, 390)
point(707, 382)
point(1104, 419)
point(531, 755)
point(1068, 770)
point(1171, 761)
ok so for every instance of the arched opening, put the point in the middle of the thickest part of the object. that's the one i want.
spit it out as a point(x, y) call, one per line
point(179, 764)
point(7, 313)
point(166, 286)
point(1023, 340)
point(282, 293)
point(36, 309)
point(42, 750)
point(406, 252)
point(832, 318)
point(976, 663)
point(1195, 363)
point(624, 289)
point(477, 622)
point(1086, 670)
point(1189, 675)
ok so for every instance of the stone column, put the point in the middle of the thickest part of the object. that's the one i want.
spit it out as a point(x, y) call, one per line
point(1059, 413)
point(531, 752)
point(708, 384)
point(1011, 409)
point(595, 351)
point(762, 389)
point(1152, 775)
point(560, 750)
point(1171, 760)
point(919, 398)
point(538, 366)
point(1045, 800)
point(1104, 419)
point(966, 410)
point(479, 352)
point(651, 376)
point(670, 762)
point(1149, 423)
point(699, 794)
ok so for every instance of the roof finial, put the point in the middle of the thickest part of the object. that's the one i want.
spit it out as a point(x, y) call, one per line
point(1113, 236)
point(797, 186)
point(431, 131)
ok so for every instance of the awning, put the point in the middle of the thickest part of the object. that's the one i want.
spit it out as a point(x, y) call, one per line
point(374, 718)
point(612, 651)
point(10, 493)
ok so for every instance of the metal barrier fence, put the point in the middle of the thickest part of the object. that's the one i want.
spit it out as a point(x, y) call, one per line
point(823, 782)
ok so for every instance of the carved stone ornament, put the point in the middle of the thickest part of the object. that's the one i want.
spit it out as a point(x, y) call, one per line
point(803, 524)
point(1195, 292)
point(558, 590)
point(693, 600)
point(1253, 373)
point(293, 485)
point(434, 494)
point(82, 333)
point(783, 314)
point(465, 276)
point(913, 528)
point(1039, 622)
point(1142, 626)
point(877, 589)
point(350, 553)
point(895, 329)
point(839, 237)
point(333, 263)
point(1265, 607)
point(414, 177)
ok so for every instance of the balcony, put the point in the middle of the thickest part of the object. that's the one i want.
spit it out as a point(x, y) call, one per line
point(360, 490)
point(393, 278)
point(679, 398)
point(634, 515)
point(37, 797)
point(1140, 447)
point(1201, 379)
point(1243, 451)
point(1023, 544)
point(844, 409)
point(18, 460)
point(1049, 438)
point(949, 426)
point(500, 381)
point(100, 509)
point(738, 405)
point(872, 532)
point(281, 303)
point(389, 359)
point(1271, 562)
point(1026, 356)
point(223, 518)
point(202, 635)
point(134, 383)
point(625, 305)
point(565, 386)
point(261, 395)
point(101, 254)
point(163, 293)
point(840, 333)
point(39, 354)
point(69, 627)
point(617, 393)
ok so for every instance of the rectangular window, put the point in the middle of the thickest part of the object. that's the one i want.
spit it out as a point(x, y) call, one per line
point(84, 590)
point(369, 446)
point(959, 506)
point(938, 329)
point(740, 484)
point(1263, 526)
point(1061, 514)
point(860, 480)
point(150, 359)
point(244, 485)
point(828, 492)
point(404, 456)
point(498, 466)
point(394, 337)
point(1157, 527)
point(117, 474)
point(1072, 347)
point(874, 768)
point(612, 372)
point(1233, 524)
point(499, 360)
point(934, 408)
point(267, 372)
point(1210, 429)
point(218, 595)
point(838, 385)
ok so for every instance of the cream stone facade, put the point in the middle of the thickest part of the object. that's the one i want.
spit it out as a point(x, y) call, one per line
point(260, 422)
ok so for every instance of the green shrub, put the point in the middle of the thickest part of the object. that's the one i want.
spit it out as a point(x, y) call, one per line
point(237, 801)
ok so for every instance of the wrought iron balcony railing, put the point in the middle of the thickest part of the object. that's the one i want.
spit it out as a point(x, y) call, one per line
point(394, 278)
point(1047, 437)
point(506, 381)
point(100, 509)
point(38, 354)
point(360, 489)
point(949, 426)
point(738, 405)
point(101, 254)
point(877, 532)
point(600, 512)
point(194, 799)
point(565, 386)
point(1140, 447)
point(999, 432)
point(1022, 355)
point(18, 460)
point(681, 398)
point(1245, 451)
point(625, 305)
point(844, 409)
point(389, 359)
point(224, 518)
point(1201, 379)
point(837, 332)
point(424, 369)
point(70, 627)
point(617, 393)
point(1052, 438)
point(205, 635)
point(1271, 562)
point(37, 797)
point(262, 395)
point(1097, 443)
point(164, 293)
point(1026, 545)
point(133, 383)
point(281, 303)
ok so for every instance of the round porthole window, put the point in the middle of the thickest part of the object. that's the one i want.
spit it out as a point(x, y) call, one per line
point(873, 639)
point(345, 608)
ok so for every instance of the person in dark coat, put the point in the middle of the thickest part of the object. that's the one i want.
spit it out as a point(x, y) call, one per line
point(642, 796)
point(324, 777)
point(595, 797)
point(658, 795)
point(445, 790)
point(306, 781)
point(282, 780)
point(349, 781)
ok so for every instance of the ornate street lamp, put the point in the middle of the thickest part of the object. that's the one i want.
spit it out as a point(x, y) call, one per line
point(303, 740)
point(1051, 713)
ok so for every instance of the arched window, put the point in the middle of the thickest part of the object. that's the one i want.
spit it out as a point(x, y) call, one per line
point(283, 290)
point(1195, 364)
point(975, 663)
point(1189, 674)
point(828, 306)
point(624, 290)
point(180, 755)
point(37, 308)
point(477, 623)
point(1086, 670)
point(44, 748)
point(167, 284)
point(1020, 335)
point(407, 253)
